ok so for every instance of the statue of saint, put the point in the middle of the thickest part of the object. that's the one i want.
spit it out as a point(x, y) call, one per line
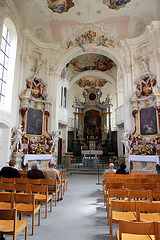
point(54, 141)
point(80, 132)
point(17, 139)
point(144, 63)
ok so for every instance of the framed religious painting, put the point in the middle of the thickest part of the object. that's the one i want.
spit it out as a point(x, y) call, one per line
point(148, 121)
point(34, 123)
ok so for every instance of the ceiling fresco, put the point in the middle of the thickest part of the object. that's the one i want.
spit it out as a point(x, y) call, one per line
point(116, 4)
point(54, 19)
point(89, 81)
point(60, 6)
point(90, 61)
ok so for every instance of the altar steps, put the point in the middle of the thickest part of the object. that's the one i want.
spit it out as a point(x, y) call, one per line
point(84, 171)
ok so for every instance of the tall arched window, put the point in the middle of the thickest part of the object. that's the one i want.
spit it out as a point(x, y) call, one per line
point(64, 96)
point(7, 63)
point(61, 96)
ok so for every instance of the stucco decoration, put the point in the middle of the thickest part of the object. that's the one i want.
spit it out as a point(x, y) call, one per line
point(38, 63)
point(116, 4)
point(145, 85)
point(39, 34)
point(90, 34)
point(60, 6)
point(139, 28)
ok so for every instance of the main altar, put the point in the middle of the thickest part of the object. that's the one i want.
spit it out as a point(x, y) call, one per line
point(92, 123)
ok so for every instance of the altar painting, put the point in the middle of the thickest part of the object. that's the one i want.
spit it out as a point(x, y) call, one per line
point(92, 125)
point(34, 121)
point(148, 121)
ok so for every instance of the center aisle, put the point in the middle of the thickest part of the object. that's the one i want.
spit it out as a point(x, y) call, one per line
point(80, 215)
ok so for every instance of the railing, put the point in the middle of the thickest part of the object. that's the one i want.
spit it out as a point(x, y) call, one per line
point(78, 162)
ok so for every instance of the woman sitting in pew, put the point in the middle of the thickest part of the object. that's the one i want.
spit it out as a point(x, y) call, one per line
point(35, 173)
point(122, 169)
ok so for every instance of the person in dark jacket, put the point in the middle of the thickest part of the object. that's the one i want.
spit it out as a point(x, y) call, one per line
point(11, 171)
point(122, 169)
point(35, 173)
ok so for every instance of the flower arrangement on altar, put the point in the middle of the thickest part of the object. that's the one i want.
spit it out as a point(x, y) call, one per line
point(145, 149)
point(85, 147)
point(99, 147)
point(38, 149)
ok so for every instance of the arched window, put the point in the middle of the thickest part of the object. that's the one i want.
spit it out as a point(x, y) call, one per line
point(64, 94)
point(61, 96)
point(65, 98)
point(7, 63)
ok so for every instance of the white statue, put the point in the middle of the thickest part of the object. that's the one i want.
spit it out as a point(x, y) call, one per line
point(105, 132)
point(80, 132)
point(144, 63)
point(16, 139)
point(127, 141)
point(54, 141)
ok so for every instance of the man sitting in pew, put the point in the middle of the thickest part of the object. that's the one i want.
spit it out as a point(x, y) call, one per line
point(122, 169)
point(111, 169)
point(53, 173)
point(10, 171)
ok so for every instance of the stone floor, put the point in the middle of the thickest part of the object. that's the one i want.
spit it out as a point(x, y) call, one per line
point(81, 214)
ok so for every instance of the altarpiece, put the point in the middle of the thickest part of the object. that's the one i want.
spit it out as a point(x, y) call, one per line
point(35, 111)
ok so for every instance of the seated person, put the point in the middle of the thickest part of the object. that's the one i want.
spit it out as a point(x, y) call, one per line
point(35, 173)
point(10, 171)
point(122, 169)
point(110, 170)
point(53, 173)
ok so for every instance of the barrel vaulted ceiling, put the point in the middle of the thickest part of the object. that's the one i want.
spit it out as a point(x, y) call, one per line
point(72, 22)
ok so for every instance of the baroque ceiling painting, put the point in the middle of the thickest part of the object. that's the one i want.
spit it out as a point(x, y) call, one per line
point(90, 62)
point(116, 4)
point(89, 81)
point(60, 6)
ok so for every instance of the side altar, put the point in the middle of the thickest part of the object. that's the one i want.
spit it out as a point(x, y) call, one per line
point(24, 161)
point(143, 163)
point(142, 146)
point(31, 140)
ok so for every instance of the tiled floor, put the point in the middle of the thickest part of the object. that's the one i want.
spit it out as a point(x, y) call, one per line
point(80, 215)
